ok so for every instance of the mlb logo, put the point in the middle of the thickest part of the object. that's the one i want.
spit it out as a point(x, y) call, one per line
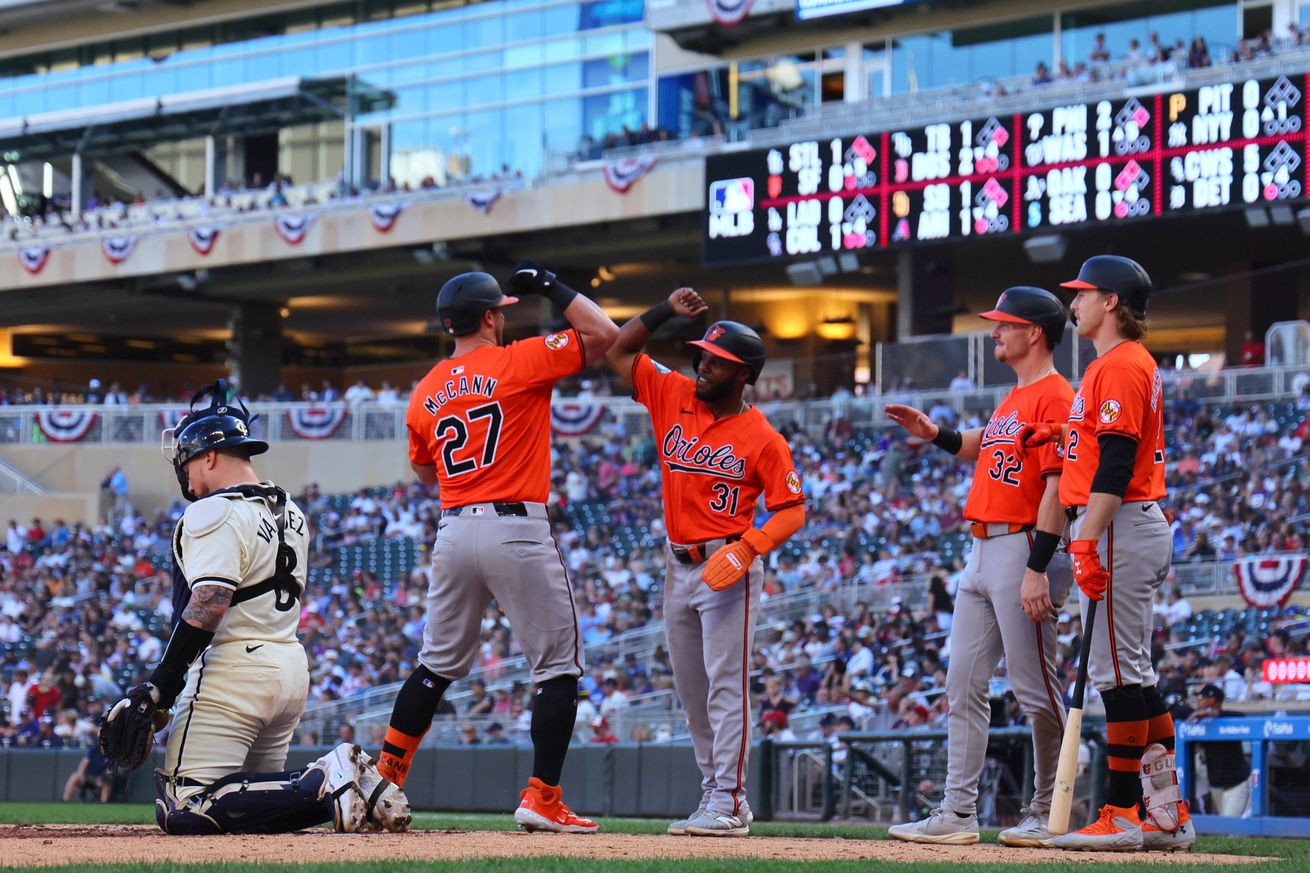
point(478, 510)
point(732, 195)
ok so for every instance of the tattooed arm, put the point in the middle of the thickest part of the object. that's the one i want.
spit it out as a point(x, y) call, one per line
point(207, 606)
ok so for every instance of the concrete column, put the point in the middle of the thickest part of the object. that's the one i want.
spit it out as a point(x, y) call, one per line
point(855, 83)
point(76, 185)
point(384, 153)
point(254, 353)
point(904, 293)
point(211, 165)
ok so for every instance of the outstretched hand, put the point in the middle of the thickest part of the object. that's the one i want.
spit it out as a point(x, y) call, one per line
point(686, 303)
point(915, 421)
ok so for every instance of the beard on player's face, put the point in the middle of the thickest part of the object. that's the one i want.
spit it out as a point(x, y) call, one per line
point(716, 379)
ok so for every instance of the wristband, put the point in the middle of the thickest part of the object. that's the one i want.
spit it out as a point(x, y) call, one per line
point(656, 315)
point(758, 540)
point(560, 294)
point(948, 439)
point(184, 646)
point(1044, 543)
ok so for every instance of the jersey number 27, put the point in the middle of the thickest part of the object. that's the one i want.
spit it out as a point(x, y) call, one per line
point(454, 430)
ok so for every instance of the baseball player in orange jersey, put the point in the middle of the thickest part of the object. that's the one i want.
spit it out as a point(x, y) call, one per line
point(479, 426)
point(717, 456)
point(1120, 544)
point(1007, 602)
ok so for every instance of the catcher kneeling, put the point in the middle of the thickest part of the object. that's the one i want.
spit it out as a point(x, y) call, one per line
point(233, 672)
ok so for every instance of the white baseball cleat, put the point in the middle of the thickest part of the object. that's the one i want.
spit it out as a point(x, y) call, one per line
point(941, 826)
point(385, 803)
point(718, 824)
point(349, 808)
point(1030, 832)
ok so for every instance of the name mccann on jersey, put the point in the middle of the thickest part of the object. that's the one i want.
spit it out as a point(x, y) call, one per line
point(688, 456)
point(483, 385)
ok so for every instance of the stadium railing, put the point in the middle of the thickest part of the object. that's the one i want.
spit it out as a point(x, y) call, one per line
point(363, 422)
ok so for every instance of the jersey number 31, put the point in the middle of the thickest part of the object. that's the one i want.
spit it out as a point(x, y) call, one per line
point(454, 430)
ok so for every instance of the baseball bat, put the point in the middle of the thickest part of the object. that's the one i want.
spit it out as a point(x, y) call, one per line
point(1067, 773)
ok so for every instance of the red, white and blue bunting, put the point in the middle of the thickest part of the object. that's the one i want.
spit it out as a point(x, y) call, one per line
point(729, 12)
point(1269, 581)
point(171, 417)
point(34, 258)
point(118, 248)
point(202, 237)
point(65, 425)
point(291, 226)
point(574, 419)
point(482, 201)
point(622, 175)
point(384, 215)
point(316, 422)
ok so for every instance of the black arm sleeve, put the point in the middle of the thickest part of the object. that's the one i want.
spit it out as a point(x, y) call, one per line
point(1039, 557)
point(1118, 453)
point(184, 646)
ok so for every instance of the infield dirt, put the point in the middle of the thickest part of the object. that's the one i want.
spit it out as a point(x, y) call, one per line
point(48, 845)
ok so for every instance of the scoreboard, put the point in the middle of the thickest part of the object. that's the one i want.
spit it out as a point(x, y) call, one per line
point(1127, 159)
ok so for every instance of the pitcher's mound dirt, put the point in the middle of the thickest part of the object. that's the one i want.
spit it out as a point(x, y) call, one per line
point(46, 845)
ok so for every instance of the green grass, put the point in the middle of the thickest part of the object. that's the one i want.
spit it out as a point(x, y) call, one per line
point(1287, 856)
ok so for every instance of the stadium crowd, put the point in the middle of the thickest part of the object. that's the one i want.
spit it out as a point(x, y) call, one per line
point(83, 610)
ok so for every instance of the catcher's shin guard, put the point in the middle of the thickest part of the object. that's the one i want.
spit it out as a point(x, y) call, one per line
point(247, 803)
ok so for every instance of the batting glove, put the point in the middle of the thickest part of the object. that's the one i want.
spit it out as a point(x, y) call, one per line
point(1087, 569)
point(1040, 433)
point(726, 566)
point(530, 278)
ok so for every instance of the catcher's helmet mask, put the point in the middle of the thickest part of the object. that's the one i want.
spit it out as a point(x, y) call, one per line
point(223, 424)
point(1024, 304)
point(732, 341)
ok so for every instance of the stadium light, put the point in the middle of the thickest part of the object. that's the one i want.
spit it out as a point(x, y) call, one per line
point(1046, 249)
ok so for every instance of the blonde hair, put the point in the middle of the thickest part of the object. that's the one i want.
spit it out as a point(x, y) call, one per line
point(1131, 325)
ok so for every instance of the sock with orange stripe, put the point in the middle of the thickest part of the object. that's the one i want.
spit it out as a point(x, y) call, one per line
point(1160, 727)
point(410, 719)
point(1125, 733)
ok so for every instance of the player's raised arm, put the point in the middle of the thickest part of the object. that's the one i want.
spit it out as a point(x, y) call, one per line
point(596, 330)
point(682, 303)
point(963, 444)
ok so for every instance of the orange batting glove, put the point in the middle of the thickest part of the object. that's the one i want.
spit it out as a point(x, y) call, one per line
point(727, 565)
point(1039, 433)
point(1087, 569)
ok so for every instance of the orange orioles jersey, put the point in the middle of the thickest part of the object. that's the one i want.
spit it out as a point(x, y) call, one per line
point(1008, 484)
point(483, 419)
point(1122, 392)
point(713, 470)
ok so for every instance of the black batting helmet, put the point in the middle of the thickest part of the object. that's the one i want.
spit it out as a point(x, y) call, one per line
point(734, 341)
point(1024, 304)
point(1122, 276)
point(463, 299)
point(223, 424)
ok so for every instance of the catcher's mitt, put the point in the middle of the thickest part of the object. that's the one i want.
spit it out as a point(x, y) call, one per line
point(127, 731)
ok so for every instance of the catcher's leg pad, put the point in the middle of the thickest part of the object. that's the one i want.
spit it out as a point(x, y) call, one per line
point(247, 803)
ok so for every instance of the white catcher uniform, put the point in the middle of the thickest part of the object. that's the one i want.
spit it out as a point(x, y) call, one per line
point(245, 694)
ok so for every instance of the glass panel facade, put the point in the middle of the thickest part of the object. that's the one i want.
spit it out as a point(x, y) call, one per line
point(1215, 22)
point(939, 60)
point(469, 81)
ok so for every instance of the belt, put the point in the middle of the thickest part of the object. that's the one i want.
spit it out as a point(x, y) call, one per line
point(502, 509)
point(985, 530)
point(697, 552)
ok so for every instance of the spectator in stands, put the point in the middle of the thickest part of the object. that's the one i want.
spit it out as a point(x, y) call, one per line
point(496, 735)
point(359, 392)
point(468, 735)
point(1100, 53)
point(600, 731)
point(1198, 55)
point(961, 383)
point(1253, 351)
point(44, 696)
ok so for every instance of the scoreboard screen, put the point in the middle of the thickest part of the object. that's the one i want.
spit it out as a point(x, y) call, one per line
point(1127, 159)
